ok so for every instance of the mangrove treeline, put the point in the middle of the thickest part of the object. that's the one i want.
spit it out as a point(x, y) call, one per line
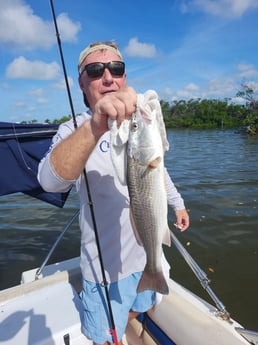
point(214, 113)
point(208, 113)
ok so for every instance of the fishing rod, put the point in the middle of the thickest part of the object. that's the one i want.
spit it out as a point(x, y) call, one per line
point(104, 283)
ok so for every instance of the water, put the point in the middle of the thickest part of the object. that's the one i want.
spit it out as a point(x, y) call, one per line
point(216, 172)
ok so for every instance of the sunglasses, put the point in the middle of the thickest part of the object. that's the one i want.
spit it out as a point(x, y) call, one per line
point(96, 69)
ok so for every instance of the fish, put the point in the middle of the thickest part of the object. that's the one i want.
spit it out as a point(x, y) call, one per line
point(137, 153)
point(146, 145)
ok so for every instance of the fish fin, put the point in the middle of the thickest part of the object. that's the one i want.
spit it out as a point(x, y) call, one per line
point(153, 164)
point(167, 238)
point(136, 234)
point(153, 281)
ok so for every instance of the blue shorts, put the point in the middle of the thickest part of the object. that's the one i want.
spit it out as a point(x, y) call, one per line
point(124, 298)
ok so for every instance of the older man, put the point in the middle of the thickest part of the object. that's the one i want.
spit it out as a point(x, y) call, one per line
point(102, 80)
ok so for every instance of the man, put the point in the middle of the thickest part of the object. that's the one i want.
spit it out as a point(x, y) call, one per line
point(102, 80)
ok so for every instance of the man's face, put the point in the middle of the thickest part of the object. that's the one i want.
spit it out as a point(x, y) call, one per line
point(96, 88)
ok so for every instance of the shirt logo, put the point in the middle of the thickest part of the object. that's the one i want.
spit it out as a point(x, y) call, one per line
point(104, 146)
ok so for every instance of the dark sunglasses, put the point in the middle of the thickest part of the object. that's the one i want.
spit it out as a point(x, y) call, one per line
point(96, 69)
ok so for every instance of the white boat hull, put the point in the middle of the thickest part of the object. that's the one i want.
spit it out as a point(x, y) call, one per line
point(48, 311)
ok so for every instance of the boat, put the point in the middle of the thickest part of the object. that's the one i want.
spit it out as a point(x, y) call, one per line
point(45, 308)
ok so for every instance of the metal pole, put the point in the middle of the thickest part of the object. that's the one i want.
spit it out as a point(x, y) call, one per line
point(39, 271)
point(201, 275)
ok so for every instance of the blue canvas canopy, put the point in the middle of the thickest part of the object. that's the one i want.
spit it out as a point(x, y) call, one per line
point(21, 148)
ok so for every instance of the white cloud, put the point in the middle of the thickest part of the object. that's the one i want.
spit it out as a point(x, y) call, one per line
point(220, 87)
point(61, 85)
point(36, 92)
point(247, 71)
point(21, 28)
point(67, 29)
point(31, 110)
point(4, 86)
point(223, 8)
point(167, 93)
point(21, 68)
point(136, 48)
point(253, 85)
point(238, 100)
point(191, 90)
point(20, 104)
point(42, 101)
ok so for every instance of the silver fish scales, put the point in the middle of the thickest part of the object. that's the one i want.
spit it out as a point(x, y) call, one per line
point(146, 186)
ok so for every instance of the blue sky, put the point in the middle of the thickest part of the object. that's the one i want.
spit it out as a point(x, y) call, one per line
point(182, 49)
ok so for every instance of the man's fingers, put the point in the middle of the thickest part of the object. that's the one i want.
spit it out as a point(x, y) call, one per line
point(118, 105)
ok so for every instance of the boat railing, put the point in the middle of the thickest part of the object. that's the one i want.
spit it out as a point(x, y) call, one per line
point(66, 228)
point(202, 277)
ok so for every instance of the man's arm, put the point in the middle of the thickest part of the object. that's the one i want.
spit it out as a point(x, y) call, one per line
point(177, 203)
point(67, 159)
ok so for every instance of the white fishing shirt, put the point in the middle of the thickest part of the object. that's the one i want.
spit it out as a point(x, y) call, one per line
point(121, 253)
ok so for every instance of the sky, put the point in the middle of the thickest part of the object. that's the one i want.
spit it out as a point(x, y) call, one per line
point(183, 49)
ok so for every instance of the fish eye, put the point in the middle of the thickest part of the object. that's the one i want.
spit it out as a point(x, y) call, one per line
point(134, 126)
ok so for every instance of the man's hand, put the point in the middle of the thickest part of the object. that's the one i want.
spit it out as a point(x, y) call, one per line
point(182, 219)
point(119, 105)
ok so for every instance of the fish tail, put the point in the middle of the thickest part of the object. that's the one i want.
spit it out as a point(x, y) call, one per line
point(153, 281)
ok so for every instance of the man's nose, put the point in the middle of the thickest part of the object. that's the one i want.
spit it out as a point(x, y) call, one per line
point(107, 76)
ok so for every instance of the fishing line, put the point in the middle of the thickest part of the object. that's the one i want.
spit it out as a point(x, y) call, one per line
point(105, 283)
point(20, 149)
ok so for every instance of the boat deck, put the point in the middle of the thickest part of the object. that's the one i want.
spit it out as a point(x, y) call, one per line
point(48, 311)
